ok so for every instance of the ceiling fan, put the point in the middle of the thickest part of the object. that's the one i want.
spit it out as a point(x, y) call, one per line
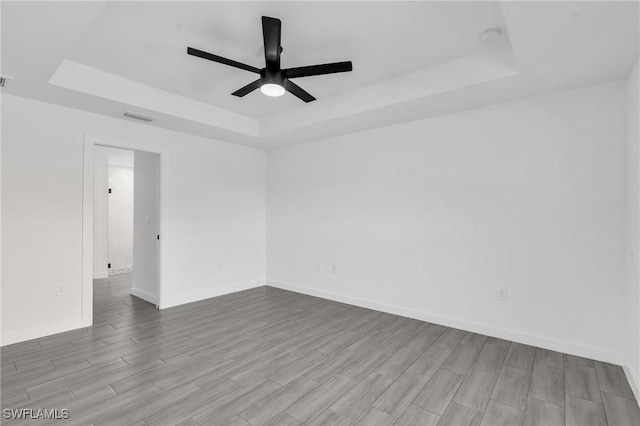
point(274, 81)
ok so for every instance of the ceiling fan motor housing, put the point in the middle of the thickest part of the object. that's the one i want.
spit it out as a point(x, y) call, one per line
point(268, 76)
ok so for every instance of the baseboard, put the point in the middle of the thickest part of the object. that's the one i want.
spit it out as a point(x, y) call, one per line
point(62, 326)
point(209, 294)
point(100, 275)
point(113, 272)
point(632, 378)
point(475, 327)
point(46, 330)
point(144, 295)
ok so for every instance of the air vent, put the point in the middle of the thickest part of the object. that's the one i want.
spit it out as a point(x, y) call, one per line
point(4, 81)
point(140, 117)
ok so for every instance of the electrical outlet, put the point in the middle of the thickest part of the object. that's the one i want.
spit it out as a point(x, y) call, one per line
point(318, 267)
point(333, 269)
point(502, 294)
point(59, 290)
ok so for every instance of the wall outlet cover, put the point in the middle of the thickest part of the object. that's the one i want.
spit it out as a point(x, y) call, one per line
point(503, 294)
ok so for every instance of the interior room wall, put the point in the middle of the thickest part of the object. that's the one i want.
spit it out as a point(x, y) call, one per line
point(121, 219)
point(212, 201)
point(429, 219)
point(633, 235)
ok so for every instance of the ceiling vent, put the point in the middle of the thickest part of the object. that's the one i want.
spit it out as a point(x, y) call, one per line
point(139, 117)
point(4, 81)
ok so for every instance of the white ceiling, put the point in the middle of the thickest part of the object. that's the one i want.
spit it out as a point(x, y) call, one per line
point(382, 39)
point(411, 59)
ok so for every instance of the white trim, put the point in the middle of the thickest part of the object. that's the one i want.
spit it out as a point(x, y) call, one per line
point(100, 275)
point(86, 289)
point(633, 382)
point(160, 178)
point(47, 330)
point(144, 295)
point(215, 292)
point(489, 330)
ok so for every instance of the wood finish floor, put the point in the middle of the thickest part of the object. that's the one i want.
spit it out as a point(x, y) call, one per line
point(273, 357)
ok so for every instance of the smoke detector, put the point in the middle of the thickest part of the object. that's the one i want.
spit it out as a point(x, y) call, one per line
point(137, 116)
point(491, 36)
point(4, 81)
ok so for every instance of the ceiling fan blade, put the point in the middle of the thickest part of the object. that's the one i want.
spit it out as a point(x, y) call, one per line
point(319, 69)
point(247, 89)
point(271, 31)
point(298, 91)
point(220, 59)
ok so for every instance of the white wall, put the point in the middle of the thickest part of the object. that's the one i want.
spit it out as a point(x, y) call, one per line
point(120, 219)
point(146, 226)
point(213, 203)
point(101, 213)
point(428, 219)
point(633, 235)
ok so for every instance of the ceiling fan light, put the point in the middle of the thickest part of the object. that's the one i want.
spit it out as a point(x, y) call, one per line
point(271, 89)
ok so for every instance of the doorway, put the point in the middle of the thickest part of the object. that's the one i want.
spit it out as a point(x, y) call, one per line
point(126, 224)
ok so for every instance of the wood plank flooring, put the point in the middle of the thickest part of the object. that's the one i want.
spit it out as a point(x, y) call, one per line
point(273, 357)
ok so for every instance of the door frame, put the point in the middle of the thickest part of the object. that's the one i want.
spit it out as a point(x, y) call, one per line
point(90, 141)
